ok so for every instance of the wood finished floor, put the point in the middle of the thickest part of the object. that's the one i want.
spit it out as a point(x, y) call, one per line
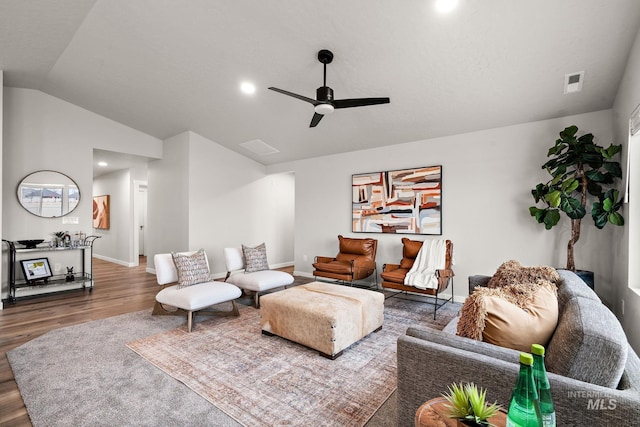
point(118, 290)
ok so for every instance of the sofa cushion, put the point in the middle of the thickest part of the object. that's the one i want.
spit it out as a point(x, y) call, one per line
point(588, 344)
point(571, 285)
point(514, 317)
point(478, 280)
point(192, 268)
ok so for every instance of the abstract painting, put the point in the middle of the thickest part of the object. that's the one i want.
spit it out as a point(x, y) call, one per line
point(401, 201)
point(101, 212)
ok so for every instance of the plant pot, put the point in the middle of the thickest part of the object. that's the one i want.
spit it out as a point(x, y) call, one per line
point(587, 276)
point(462, 423)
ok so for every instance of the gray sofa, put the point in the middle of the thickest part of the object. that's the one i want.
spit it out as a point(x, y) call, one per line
point(594, 373)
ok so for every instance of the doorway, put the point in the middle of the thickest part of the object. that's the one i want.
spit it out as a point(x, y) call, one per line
point(140, 214)
point(113, 172)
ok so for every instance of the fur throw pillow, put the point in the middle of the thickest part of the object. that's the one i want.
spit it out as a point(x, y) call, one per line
point(512, 272)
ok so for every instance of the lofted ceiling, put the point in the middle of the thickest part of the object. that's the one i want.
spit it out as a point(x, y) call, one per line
point(166, 66)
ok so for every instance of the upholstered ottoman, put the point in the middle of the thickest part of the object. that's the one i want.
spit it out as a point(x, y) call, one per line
point(323, 316)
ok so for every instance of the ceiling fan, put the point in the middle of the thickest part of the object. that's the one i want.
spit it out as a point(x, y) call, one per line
point(324, 103)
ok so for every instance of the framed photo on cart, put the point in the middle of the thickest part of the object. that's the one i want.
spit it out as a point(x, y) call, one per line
point(36, 269)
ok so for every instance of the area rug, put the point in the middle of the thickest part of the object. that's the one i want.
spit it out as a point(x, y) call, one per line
point(269, 381)
point(85, 375)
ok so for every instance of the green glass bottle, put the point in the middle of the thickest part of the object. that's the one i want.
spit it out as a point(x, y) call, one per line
point(523, 409)
point(547, 411)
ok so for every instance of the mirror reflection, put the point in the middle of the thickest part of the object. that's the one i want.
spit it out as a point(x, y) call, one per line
point(48, 194)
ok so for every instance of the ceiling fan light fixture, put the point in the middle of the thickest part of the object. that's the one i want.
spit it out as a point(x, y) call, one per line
point(324, 109)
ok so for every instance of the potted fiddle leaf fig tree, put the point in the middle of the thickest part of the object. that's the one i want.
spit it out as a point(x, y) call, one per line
point(583, 175)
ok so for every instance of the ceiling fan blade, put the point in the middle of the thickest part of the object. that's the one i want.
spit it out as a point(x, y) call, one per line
point(295, 95)
point(358, 102)
point(316, 119)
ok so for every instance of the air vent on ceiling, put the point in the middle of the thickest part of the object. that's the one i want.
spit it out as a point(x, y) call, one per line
point(573, 82)
point(259, 147)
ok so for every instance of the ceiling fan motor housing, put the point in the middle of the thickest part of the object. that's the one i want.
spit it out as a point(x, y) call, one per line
point(324, 94)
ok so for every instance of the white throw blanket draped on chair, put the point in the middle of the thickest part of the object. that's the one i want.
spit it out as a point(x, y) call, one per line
point(431, 257)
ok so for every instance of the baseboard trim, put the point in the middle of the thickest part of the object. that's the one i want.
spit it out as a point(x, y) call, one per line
point(281, 265)
point(303, 274)
point(115, 261)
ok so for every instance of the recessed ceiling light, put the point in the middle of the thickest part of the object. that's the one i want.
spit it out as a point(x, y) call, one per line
point(446, 6)
point(248, 88)
point(103, 164)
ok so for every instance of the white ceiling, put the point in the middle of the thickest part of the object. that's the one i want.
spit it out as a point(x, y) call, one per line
point(166, 66)
point(116, 161)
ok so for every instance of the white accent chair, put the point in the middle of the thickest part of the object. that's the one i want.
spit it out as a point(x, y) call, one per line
point(256, 282)
point(188, 300)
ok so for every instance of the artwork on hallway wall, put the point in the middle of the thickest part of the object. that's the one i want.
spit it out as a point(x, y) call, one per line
point(101, 212)
point(406, 201)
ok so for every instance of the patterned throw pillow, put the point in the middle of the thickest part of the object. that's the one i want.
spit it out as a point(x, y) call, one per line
point(255, 259)
point(192, 269)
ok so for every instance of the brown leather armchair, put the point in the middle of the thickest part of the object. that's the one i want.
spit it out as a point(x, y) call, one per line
point(393, 274)
point(356, 260)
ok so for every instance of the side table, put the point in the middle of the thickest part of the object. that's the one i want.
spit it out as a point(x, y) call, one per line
point(433, 413)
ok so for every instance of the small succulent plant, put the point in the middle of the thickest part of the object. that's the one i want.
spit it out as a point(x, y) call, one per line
point(468, 404)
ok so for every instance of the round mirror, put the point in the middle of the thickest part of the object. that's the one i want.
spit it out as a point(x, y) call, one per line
point(48, 194)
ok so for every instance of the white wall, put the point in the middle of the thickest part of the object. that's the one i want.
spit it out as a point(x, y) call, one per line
point(487, 178)
point(116, 243)
point(44, 132)
point(225, 199)
point(626, 248)
point(1, 145)
point(168, 199)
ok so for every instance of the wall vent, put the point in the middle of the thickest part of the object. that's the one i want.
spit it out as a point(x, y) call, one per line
point(573, 82)
point(259, 147)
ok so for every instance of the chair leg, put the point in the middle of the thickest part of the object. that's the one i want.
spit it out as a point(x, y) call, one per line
point(435, 306)
point(234, 309)
point(375, 277)
point(256, 300)
point(189, 320)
